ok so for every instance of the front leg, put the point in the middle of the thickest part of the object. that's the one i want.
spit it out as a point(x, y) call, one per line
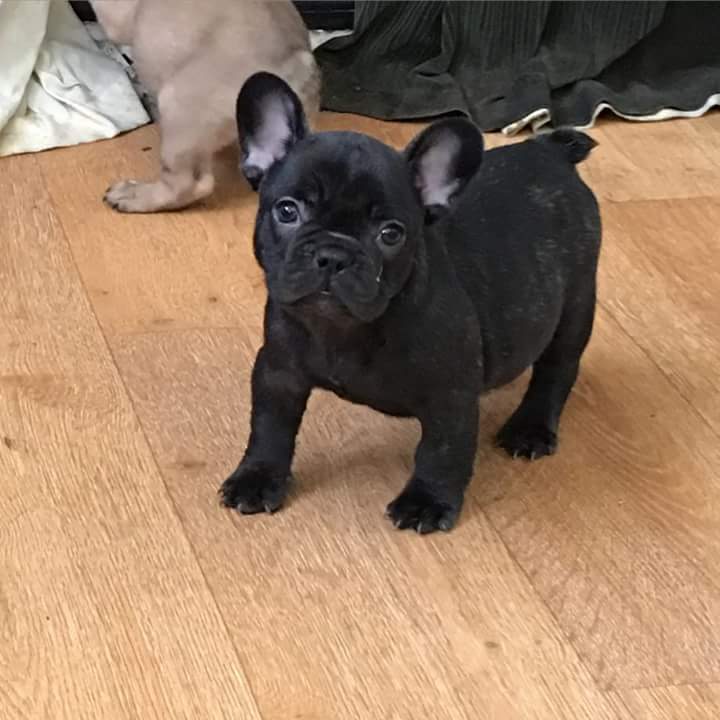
point(279, 396)
point(433, 497)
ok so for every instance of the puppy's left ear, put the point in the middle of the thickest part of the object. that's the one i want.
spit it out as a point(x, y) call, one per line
point(270, 120)
point(443, 157)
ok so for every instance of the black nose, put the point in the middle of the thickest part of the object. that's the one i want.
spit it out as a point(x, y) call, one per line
point(332, 259)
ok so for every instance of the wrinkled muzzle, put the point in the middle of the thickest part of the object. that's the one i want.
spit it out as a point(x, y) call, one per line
point(331, 265)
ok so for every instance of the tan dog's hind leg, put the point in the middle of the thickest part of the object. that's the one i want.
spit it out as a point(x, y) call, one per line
point(177, 187)
point(187, 146)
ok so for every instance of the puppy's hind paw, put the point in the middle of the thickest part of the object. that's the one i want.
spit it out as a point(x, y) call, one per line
point(526, 440)
point(254, 488)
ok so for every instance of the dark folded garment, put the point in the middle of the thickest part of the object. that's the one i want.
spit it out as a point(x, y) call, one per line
point(506, 64)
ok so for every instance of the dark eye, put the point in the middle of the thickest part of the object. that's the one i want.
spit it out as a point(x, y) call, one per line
point(392, 235)
point(287, 211)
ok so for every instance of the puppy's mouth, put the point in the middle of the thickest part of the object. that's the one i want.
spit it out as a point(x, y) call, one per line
point(331, 277)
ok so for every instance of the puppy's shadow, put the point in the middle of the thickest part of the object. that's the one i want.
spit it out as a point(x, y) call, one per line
point(387, 463)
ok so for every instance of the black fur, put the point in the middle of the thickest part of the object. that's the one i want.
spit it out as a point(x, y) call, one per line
point(503, 279)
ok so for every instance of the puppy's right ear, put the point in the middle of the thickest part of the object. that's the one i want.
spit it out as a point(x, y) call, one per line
point(270, 120)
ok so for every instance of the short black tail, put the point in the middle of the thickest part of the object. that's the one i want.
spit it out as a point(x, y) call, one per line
point(575, 144)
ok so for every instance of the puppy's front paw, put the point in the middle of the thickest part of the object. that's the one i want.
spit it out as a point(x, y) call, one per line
point(418, 509)
point(526, 439)
point(254, 488)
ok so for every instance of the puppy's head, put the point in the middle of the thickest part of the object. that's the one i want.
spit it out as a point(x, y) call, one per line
point(341, 215)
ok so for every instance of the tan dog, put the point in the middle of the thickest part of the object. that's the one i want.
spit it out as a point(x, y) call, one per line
point(194, 57)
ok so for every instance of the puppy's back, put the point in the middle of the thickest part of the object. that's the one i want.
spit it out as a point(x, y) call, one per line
point(225, 41)
point(526, 216)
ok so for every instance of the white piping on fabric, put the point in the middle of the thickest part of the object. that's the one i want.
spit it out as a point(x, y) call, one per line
point(664, 114)
point(538, 118)
point(542, 116)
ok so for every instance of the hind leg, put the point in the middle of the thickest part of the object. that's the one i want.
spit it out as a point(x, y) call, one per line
point(187, 146)
point(531, 431)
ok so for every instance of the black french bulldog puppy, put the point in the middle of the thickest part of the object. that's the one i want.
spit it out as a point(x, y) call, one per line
point(411, 282)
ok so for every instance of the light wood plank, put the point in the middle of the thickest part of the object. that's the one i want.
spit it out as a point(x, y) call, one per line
point(685, 702)
point(620, 530)
point(660, 277)
point(160, 271)
point(639, 161)
point(335, 614)
point(104, 612)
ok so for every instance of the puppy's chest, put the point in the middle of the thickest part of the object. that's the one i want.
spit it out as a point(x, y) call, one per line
point(364, 376)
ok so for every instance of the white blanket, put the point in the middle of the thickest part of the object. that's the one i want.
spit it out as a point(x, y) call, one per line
point(57, 88)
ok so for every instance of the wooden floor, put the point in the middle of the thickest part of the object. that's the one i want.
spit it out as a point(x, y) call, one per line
point(582, 586)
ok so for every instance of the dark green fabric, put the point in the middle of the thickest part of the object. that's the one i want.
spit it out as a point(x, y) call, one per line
point(497, 61)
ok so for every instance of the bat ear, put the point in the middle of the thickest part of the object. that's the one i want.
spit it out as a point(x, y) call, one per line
point(270, 120)
point(443, 157)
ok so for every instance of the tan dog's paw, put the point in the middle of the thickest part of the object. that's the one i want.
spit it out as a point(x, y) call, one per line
point(130, 196)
